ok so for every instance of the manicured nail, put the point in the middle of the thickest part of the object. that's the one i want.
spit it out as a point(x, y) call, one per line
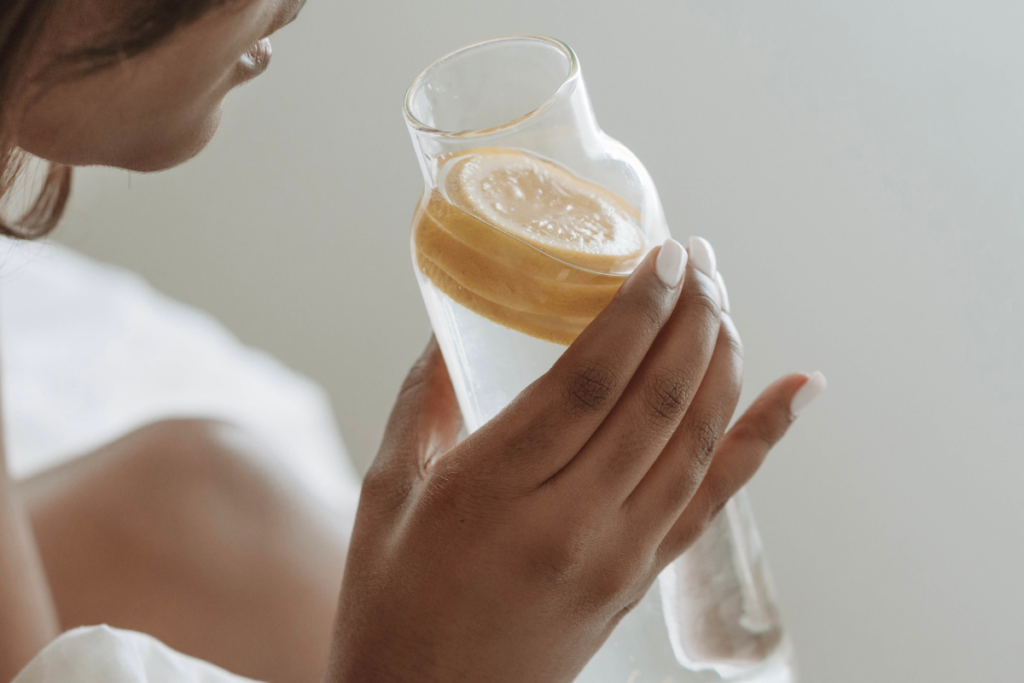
point(703, 256)
point(671, 263)
point(811, 390)
point(724, 292)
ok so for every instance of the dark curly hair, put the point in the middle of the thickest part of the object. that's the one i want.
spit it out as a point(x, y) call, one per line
point(145, 23)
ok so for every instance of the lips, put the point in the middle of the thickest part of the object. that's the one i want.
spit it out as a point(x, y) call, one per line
point(257, 58)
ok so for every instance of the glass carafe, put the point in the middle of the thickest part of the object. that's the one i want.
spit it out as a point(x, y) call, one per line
point(490, 123)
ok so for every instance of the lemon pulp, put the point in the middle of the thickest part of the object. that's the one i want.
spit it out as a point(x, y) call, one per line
point(524, 242)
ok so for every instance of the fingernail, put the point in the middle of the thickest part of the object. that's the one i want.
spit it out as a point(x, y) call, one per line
point(724, 292)
point(671, 263)
point(703, 256)
point(811, 390)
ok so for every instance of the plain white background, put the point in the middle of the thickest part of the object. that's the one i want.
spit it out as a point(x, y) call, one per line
point(858, 167)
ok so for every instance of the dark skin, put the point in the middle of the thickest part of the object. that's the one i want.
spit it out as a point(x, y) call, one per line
point(512, 555)
point(507, 557)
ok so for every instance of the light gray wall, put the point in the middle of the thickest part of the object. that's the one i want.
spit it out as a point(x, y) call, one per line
point(858, 167)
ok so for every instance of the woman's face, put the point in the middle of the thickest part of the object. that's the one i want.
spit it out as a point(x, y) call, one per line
point(154, 110)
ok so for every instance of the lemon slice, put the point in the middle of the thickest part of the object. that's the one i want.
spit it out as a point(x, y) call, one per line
point(501, 269)
point(525, 243)
point(547, 207)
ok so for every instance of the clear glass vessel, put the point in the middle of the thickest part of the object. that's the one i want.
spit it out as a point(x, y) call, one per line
point(531, 218)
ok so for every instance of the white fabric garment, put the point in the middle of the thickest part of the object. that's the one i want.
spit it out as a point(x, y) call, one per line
point(89, 353)
point(100, 654)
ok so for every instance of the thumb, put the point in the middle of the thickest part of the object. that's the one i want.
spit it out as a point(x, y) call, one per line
point(425, 421)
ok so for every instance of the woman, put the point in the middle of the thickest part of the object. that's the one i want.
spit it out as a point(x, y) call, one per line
point(510, 558)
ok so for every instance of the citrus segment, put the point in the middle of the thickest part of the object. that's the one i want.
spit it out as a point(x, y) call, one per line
point(547, 207)
point(559, 253)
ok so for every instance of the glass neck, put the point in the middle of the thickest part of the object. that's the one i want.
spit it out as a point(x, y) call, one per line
point(522, 92)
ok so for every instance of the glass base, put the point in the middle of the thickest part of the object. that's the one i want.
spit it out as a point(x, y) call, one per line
point(639, 651)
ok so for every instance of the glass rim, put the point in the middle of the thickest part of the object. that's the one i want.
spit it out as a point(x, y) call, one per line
point(570, 78)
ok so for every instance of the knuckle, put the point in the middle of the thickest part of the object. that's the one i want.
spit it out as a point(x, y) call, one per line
point(666, 397)
point(589, 387)
point(453, 497)
point(557, 559)
point(610, 584)
point(535, 437)
point(704, 434)
point(679, 495)
point(381, 490)
point(764, 432)
point(701, 298)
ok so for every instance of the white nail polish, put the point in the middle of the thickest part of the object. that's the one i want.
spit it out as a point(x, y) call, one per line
point(723, 291)
point(703, 256)
point(808, 392)
point(671, 263)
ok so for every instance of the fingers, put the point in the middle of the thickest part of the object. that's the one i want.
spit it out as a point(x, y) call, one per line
point(670, 483)
point(739, 455)
point(424, 422)
point(660, 393)
point(556, 415)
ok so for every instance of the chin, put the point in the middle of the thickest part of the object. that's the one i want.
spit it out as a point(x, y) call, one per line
point(149, 149)
point(173, 150)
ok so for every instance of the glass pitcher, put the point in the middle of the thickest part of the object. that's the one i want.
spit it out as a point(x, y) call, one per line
point(497, 125)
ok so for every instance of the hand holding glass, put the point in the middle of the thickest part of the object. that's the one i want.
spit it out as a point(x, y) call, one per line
point(530, 221)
